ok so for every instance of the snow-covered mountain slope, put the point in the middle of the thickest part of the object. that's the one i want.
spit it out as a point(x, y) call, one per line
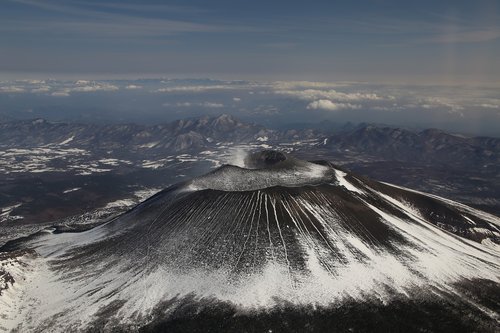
point(284, 245)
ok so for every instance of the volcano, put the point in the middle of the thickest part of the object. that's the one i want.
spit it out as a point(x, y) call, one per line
point(279, 245)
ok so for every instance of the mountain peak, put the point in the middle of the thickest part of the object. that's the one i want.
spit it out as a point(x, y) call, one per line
point(264, 169)
point(225, 120)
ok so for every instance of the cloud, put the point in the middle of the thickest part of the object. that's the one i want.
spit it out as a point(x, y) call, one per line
point(83, 86)
point(198, 88)
point(285, 85)
point(325, 104)
point(314, 94)
point(59, 88)
point(192, 104)
point(94, 87)
point(184, 104)
point(489, 106)
point(41, 89)
point(60, 94)
point(133, 86)
point(34, 81)
point(440, 102)
point(393, 107)
point(212, 105)
point(12, 89)
point(103, 23)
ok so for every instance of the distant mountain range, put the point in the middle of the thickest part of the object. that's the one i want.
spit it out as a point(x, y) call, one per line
point(428, 146)
point(190, 135)
point(178, 136)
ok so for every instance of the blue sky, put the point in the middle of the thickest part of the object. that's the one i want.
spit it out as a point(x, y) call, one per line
point(392, 41)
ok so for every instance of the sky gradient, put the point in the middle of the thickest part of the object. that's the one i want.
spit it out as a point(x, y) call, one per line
point(437, 42)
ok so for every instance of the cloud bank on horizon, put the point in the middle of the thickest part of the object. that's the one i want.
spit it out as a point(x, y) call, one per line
point(465, 109)
point(420, 41)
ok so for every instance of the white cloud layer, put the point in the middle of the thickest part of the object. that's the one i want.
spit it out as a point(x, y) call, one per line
point(212, 105)
point(60, 94)
point(314, 94)
point(41, 89)
point(490, 106)
point(431, 104)
point(326, 104)
point(286, 85)
point(80, 86)
point(94, 87)
point(133, 86)
point(12, 89)
point(193, 104)
point(195, 89)
point(441, 102)
point(57, 88)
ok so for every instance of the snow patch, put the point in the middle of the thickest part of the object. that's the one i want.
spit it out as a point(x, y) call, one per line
point(72, 190)
point(340, 175)
point(68, 140)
